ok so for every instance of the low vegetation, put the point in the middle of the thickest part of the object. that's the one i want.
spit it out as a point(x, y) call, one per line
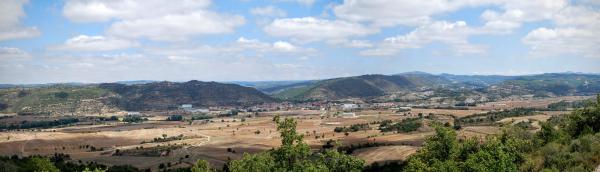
point(352, 128)
point(55, 163)
point(175, 118)
point(567, 105)
point(38, 124)
point(164, 138)
point(201, 117)
point(134, 119)
point(406, 125)
point(491, 117)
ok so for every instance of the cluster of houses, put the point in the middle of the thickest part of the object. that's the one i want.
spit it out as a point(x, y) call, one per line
point(347, 109)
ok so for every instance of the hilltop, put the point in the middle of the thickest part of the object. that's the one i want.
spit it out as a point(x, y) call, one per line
point(169, 95)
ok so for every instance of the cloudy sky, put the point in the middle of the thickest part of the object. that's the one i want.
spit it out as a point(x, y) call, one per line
point(223, 40)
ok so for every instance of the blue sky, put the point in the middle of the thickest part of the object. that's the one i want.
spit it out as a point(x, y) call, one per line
point(252, 40)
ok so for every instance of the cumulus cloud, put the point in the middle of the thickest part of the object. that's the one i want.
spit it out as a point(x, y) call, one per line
point(399, 12)
point(240, 48)
point(308, 29)
point(94, 43)
point(11, 13)
point(515, 12)
point(176, 27)
point(453, 34)
point(160, 20)
point(268, 11)
point(417, 13)
point(576, 33)
point(105, 10)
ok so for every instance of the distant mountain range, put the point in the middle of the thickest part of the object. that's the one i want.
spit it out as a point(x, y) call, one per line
point(146, 95)
point(369, 86)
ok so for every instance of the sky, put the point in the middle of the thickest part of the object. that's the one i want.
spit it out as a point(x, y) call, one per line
point(258, 40)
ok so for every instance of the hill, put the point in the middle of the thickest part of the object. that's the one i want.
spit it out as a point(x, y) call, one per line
point(349, 87)
point(64, 99)
point(550, 84)
point(55, 99)
point(169, 95)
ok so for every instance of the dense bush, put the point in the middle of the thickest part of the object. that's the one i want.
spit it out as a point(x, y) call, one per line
point(352, 128)
point(134, 119)
point(201, 117)
point(406, 125)
point(490, 117)
point(55, 163)
point(566, 105)
point(39, 124)
point(175, 118)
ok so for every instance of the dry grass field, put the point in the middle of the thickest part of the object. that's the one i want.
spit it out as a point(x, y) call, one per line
point(225, 139)
point(209, 141)
point(385, 153)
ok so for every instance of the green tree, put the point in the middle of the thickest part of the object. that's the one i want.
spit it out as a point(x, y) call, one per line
point(40, 164)
point(584, 121)
point(547, 133)
point(295, 155)
point(201, 166)
point(253, 163)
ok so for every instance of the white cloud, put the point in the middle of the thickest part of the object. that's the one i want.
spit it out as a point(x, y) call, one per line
point(546, 42)
point(95, 43)
point(553, 42)
point(578, 16)
point(515, 12)
point(240, 48)
point(105, 10)
point(302, 2)
point(243, 44)
point(284, 46)
point(576, 33)
point(160, 20)
point(177, 27)
point(384, 13)
point(11, 53)
point(351, 43)
point(453, 34)
point(268, 11)
point(11, 13)
point(399, 12)
point(309, 29)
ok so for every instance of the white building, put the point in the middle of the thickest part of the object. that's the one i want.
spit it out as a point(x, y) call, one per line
point(349, 106)
point(133, 113)
point(186, 106)
point(198, 110)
